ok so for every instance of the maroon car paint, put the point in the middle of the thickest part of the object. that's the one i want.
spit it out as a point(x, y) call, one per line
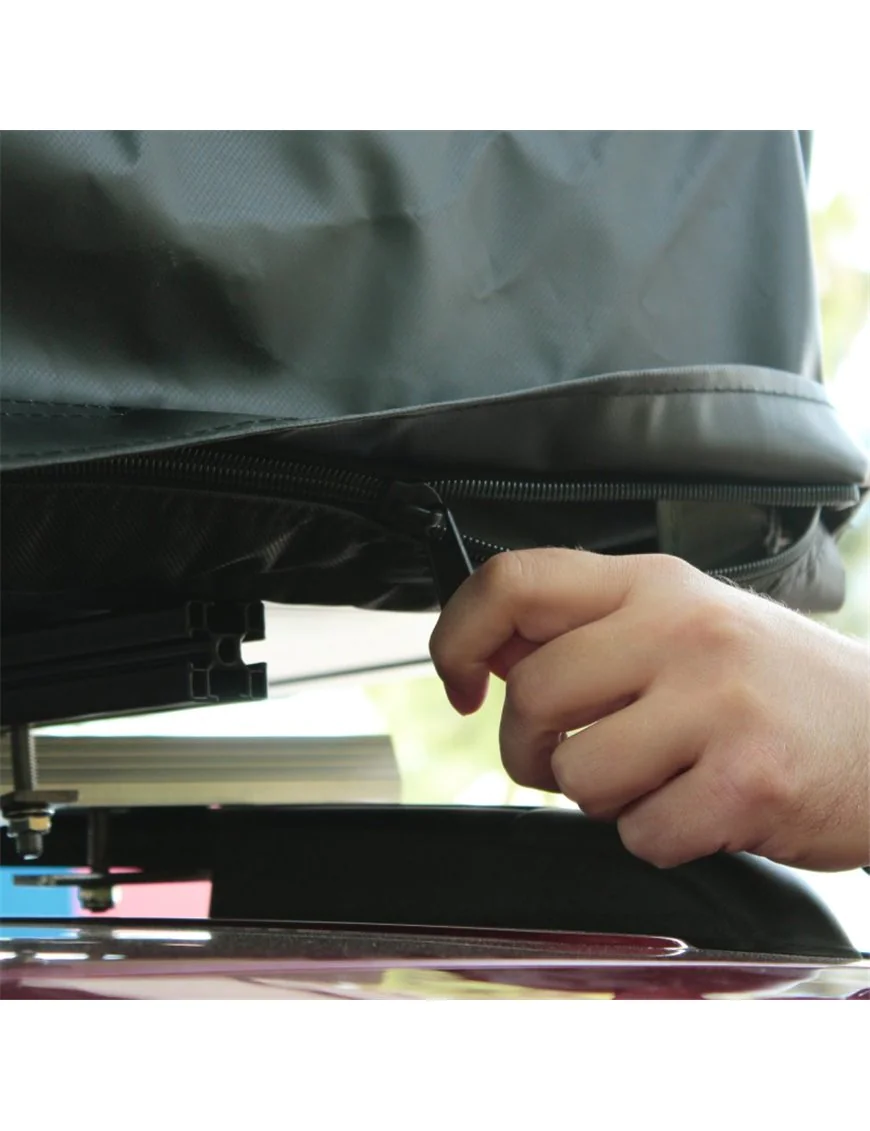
point(135, 960)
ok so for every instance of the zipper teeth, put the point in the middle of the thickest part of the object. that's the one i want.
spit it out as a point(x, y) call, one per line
point(230, 469)
point(533, 491)
point(773, 564)
point(308, 482)
point(480, 550)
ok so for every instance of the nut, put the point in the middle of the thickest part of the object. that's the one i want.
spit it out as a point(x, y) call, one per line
point(27, 828)
point(30, 822)
point(97, 898)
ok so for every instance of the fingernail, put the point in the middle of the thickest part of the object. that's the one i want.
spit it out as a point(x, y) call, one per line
point(468, 697)
point(459, 700)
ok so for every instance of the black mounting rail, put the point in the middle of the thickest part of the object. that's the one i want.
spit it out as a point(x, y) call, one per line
point(112, 664)
point(453, 867)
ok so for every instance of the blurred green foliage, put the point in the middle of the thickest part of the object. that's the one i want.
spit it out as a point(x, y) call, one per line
point(843, 286)
point(441, 754)
point(844, 295)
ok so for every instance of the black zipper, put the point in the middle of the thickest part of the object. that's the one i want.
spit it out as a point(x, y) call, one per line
point(421, 509)
point(307, 482)
point(764, 567)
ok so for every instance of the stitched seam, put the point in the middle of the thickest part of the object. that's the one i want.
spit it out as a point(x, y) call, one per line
point(463, 406)
point(603, 393)
point(430, 410)
point(159, 439)
point(713, 389)
point(527, 397)
point(60, 404)
point(115, 413)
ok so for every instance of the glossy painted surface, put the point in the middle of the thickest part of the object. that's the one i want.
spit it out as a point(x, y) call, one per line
point(109, 960)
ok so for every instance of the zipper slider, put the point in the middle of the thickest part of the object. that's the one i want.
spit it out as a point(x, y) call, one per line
point(416, 509)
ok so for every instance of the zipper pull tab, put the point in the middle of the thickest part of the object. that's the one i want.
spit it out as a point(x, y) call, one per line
point(448, 557)
point(419, 511)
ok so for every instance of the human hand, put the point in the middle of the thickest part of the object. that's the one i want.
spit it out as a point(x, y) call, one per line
point(720, 721)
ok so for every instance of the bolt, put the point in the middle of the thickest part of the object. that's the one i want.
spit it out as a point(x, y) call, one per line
point(23, 758)
point(27, 826)
point(98, 841)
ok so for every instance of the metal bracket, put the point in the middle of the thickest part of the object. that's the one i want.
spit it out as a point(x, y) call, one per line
point(27, 808)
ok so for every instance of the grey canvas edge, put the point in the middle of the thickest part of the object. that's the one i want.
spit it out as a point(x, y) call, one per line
point(774, 411)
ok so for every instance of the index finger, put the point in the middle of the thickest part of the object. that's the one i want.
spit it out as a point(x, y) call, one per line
point(534, 594)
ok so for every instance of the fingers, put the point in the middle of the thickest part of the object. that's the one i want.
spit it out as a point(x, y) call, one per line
point(536, 595)
point(504, 659)
point(628, 755)
point(571, 681)
point(695, 815)
point(705, 704)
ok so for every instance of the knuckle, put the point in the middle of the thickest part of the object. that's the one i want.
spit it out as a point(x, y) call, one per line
point(505, 573)
point(443, 650)
point(668, 567)
point(596, 808)
point(711, 625)
point(752, 779)
point(527, 763)
point(664, 575)
point(642, 841)
point(523, 773)
point(514, 573)
point(648, 574)
point(526, 692)
point(439, 649)
point(578, 784)
point(567, 772)
point(738, 703)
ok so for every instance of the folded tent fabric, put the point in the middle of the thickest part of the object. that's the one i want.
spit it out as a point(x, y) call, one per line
point(604, 305)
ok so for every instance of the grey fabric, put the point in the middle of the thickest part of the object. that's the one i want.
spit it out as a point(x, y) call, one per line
point(602, 306)
point(315, 275)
